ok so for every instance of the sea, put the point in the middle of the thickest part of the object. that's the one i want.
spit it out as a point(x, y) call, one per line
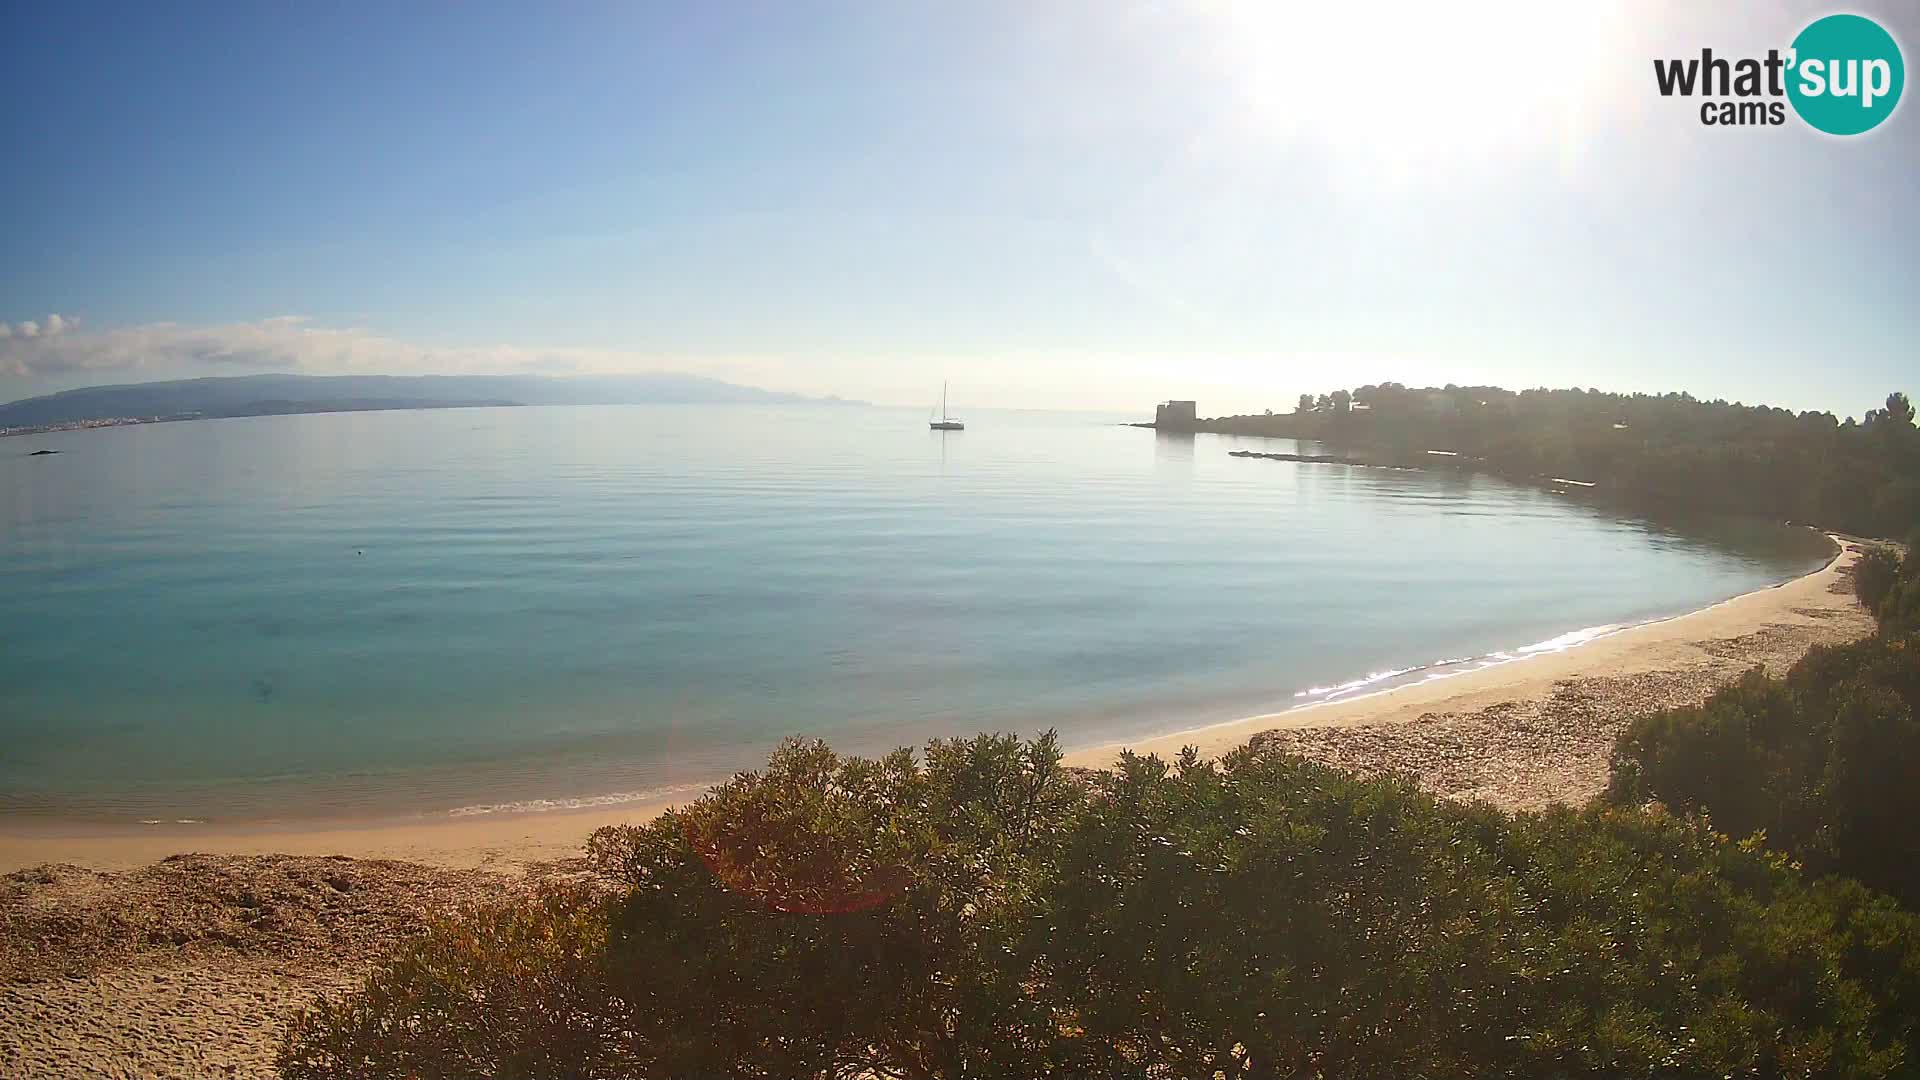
point(425, 614)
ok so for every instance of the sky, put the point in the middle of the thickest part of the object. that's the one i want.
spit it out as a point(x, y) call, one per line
point(1053, 205)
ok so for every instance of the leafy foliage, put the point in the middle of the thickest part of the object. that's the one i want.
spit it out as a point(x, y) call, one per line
point(988, 913)
point(1822, 762)
point(1875, 573)
point(1898, 608)
point(1861, 477)
point(515, 990)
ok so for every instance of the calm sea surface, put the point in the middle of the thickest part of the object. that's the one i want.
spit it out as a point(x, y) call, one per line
point(450, 611)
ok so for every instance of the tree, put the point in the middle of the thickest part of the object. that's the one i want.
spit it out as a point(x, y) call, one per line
point(1342, 401)
point(1305, 404)
point(1899, 410)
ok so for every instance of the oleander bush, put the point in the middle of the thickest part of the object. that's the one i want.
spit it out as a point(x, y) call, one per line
point(981, 911)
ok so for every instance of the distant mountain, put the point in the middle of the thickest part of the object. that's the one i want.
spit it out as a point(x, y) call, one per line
point(255, 395)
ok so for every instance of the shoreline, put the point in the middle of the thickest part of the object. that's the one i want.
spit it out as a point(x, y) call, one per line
point(146, 962)
point(1539, 730)
point(511, 842)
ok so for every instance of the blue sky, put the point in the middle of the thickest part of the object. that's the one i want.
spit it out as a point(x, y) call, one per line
point(1053, 204)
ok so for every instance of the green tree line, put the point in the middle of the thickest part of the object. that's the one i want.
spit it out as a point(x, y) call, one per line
point(1861, 477)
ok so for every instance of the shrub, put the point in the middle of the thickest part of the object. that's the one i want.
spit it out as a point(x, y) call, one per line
point(512, 990)
point(1875, 573)
point(989, 913)
point(1899, 609)
point(1822, 763)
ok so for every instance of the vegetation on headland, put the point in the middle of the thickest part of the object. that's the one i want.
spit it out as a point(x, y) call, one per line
point(1861, 477)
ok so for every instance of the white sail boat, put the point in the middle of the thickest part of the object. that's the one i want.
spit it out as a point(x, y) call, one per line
point(945, 423)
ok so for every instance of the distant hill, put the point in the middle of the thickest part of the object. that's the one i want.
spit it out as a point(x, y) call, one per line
point(256, 395)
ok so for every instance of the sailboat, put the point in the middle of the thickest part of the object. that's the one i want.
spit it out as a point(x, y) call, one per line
point(945, 423)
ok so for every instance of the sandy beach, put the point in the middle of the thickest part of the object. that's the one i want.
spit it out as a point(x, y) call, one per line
point(120, 958)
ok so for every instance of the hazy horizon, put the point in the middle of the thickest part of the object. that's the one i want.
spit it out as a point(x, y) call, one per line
point(1143, 408)
point(1083, 206)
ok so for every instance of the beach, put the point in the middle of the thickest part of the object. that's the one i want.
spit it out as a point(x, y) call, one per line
point(1538, 730)
point(120, 957)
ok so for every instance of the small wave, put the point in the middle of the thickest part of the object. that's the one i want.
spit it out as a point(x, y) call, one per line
point(175, 821)
point(1447, 669)
point(583, 802)
point(1360, 683)
point(1568, 640)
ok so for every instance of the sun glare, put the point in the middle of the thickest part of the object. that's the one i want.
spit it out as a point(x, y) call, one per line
point(1412, 82)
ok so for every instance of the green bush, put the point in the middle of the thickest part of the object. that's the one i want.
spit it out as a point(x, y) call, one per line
point(1899, 608)
point(512, 990)
point(1825, 763)
point(987, 913)
point(1875, 573)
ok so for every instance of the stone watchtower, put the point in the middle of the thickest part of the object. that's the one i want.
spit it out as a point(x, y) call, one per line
point(1177, 415)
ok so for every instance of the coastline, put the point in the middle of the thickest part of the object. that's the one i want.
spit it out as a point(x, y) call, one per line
point(120, 957)
point(1633, 647)
point(1687, 647)
point(1539, 730)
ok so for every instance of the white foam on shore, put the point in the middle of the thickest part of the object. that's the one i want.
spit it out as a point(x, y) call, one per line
point(1446, 669)
point(1562, 643)
point(1572, 638)
point(1356, 684)
point(583, 802)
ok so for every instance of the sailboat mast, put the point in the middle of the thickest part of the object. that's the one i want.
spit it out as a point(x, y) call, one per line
point(943, 399)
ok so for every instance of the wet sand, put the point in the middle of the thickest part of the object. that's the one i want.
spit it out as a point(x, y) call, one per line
point(116, 960)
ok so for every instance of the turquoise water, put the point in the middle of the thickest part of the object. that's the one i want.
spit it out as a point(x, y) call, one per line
point(431, 612)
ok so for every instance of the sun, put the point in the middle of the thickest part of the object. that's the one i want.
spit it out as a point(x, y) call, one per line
point(1414, 81)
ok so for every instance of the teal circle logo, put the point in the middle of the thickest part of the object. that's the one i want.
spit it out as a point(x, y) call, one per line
point(1845, 74)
